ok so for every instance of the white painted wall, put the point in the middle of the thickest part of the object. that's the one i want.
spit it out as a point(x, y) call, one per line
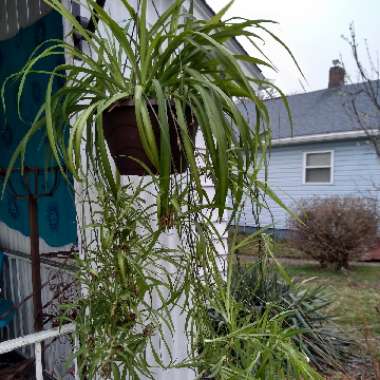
point(178, 342)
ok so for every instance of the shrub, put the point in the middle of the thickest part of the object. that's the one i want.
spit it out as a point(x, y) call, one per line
point(335, 230)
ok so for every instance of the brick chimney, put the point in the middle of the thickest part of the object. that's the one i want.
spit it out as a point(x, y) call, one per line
point(336, 74)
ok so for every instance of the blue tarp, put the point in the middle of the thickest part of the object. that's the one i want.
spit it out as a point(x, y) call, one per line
point(57, 222)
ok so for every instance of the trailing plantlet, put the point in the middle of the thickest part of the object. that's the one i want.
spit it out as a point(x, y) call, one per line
point(122, 274)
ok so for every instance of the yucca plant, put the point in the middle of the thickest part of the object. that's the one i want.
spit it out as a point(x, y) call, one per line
point(175, 72)
point(305, 309)
point(236, 341)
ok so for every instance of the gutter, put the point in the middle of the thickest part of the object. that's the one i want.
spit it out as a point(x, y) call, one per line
point(325, 137)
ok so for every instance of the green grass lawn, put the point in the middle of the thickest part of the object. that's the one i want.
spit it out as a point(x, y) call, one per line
point(356, 293)
point(356, 300)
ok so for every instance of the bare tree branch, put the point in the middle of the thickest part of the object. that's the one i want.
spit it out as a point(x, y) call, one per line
point(367, 92)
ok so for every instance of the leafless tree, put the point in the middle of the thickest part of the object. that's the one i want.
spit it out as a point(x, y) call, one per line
point(368, 73)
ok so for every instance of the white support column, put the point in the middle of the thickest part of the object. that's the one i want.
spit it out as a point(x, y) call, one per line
point(38, 361)
point(76, 348)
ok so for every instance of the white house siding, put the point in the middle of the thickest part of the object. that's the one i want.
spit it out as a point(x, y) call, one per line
point(356, 171)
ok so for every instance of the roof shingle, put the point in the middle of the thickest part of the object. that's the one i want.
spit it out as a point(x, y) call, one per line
point(318, 112)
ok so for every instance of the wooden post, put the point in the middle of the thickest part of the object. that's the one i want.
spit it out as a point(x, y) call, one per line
point(36, 279)
point(35, 256)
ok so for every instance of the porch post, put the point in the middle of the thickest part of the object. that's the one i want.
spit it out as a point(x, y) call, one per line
point(35, 256)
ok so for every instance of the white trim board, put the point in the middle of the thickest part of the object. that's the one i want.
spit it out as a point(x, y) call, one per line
point(323, 137)
point(331, 167)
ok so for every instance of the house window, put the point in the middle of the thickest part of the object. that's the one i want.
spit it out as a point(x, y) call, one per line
point(318, 167)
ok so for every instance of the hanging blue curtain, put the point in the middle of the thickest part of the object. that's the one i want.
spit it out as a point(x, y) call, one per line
point(57, 221)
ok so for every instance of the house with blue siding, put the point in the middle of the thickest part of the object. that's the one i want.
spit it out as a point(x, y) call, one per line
point(323, 152)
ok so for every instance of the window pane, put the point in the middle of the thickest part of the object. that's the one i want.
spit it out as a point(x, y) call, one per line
point(318, 159)
point(318, 175)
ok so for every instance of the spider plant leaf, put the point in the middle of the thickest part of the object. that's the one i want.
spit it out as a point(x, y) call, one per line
point(145, 127)
point(50, 123)
point(188, 144)
point(144, 42)
point(119, 35)
point(218, 16)
point(60, 8)
point(279, 40)
point(216, 122)
point(165, 149)
point(160, 24)
point(75, 140)
point(104, 155)
point(116, 372)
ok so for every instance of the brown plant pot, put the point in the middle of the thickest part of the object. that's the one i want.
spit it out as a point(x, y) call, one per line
point(122, 135)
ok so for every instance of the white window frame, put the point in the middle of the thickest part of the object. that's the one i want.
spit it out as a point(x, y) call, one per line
point(331, 167)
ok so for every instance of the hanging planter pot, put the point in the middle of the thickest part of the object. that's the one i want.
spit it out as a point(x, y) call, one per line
point(124, 142)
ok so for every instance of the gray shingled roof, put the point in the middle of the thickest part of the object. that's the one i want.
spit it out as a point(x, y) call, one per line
point(317, 112)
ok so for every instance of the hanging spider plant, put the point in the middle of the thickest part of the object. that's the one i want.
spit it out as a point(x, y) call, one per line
point(171, 78)
point(168, 79)
point(125, 322)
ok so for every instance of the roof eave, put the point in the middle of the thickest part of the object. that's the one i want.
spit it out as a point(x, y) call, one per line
point(325, 137)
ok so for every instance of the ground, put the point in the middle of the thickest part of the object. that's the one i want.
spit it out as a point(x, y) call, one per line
point(356, 296)
point(356, 293)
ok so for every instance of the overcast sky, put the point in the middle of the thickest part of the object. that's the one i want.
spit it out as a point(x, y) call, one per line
point(312, 29)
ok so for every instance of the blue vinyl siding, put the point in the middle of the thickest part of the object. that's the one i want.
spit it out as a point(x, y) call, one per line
point(356, 171)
